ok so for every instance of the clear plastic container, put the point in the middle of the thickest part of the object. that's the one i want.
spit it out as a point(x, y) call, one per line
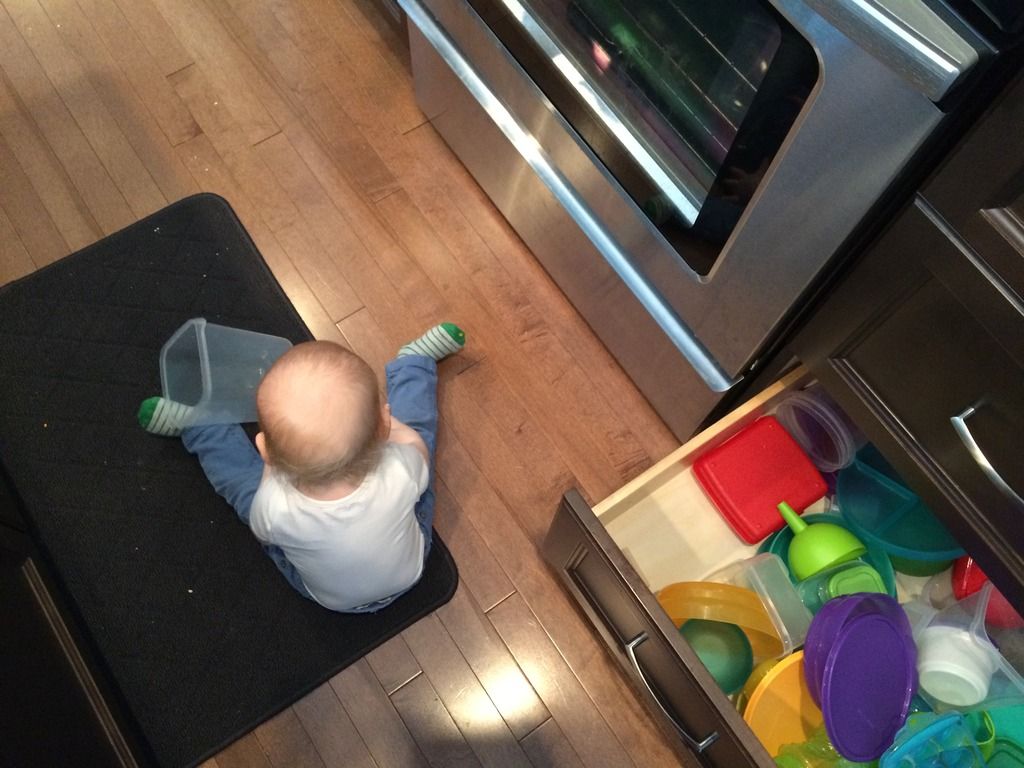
point(958, 665)
point(217, 369)
point(821, 428)
point(766, 576)
point(929, 740)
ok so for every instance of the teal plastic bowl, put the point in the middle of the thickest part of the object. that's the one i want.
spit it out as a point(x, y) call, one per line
point(885, 514)
point(723, 648)
point(778, 544)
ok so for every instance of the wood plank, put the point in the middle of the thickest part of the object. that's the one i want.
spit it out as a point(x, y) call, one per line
point(285, 742)
point(492, 664)
point(513, 267)
point(462, 695)
point(321, 273)
point(212, 175)
point(244, 753)
point(393, 664)
point(53, 120)
point(378, 77)
point(547, 745)
point(140, 66)
point(28, 221)
point(429, 722)
point(375, 717)
point(345, 142)
point(121, 99)
point(331, 228)
point(557, 686)
point(15, 261)
point(232, 76)
point(211, 763)
point(56, 191)
point(228, 136)
point(536, 585)
point(156, 35)
point(72, 82)
point(336, 739)
point(479, 572)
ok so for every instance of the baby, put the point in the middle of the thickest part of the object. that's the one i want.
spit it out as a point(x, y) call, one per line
point(337, 487)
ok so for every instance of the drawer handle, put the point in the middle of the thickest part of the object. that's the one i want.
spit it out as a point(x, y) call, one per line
point(963, 431)
point(695, 745)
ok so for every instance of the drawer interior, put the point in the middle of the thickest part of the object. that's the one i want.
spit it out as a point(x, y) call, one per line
point(665, 524)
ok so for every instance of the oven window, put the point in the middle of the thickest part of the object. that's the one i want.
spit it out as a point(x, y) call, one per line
point(686, 102)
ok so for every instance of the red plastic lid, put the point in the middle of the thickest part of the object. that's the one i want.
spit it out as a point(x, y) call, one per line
point(751, 472)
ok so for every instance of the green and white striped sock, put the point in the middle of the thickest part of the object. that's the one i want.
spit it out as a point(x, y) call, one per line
point(438, 342)
point(164, 417)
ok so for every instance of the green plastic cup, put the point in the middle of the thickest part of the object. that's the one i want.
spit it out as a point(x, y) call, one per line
point(819, 546)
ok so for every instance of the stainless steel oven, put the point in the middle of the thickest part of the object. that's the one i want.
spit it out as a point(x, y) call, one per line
point(686, 169)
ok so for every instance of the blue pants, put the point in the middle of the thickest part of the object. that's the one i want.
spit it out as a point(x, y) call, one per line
point(235, 469)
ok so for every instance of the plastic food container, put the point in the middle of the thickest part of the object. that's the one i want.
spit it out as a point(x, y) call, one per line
point(217, 369)
point(884, 513)
point(781, 710)
point(933, 741)
point(968, 578)
point(846, 579)
point(750, 473)
point(876, 557)
point(723, 649)
point(958, 666)
point(766, 576)
point(821, 428)
point(686, 600)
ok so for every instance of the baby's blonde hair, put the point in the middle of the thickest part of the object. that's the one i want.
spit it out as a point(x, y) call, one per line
point(319, 409)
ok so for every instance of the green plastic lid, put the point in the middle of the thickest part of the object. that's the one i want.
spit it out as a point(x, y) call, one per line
point(850, 581)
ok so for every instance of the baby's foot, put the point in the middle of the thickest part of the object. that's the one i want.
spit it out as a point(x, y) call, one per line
point(438, 342)
point(164, 417)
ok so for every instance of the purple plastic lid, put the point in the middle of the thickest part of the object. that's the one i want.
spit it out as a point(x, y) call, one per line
point(822, 633)
point(869, 678)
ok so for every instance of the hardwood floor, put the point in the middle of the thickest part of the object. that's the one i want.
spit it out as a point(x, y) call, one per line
point(301, 113)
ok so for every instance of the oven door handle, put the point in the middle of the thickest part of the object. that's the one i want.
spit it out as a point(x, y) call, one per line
point(716, 378)
point(908, 37)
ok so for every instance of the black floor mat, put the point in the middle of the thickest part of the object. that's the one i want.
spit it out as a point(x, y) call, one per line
point(199, 633)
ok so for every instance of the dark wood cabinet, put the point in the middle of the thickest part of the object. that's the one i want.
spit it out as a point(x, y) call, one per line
point(922, 344)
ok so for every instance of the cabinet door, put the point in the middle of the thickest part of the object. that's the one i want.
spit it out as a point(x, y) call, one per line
point(936, 382)
point(680, 691)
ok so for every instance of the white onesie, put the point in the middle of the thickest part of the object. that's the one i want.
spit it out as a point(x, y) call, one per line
point(355, 550)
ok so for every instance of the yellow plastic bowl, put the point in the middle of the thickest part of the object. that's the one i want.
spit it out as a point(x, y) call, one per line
point(780, 710)
point(710, 600)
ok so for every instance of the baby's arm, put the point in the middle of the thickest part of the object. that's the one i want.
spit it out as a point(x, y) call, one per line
point(402, 433)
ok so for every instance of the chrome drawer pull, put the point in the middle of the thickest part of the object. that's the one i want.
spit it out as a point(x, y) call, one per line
point(695, 745)
point(964, 433)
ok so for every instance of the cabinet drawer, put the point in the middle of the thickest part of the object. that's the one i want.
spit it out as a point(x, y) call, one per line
point(652, 532)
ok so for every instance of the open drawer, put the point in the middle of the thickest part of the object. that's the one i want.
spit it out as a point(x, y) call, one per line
point(658, 529)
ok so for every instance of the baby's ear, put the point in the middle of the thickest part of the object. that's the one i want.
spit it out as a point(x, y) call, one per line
point(261, 446)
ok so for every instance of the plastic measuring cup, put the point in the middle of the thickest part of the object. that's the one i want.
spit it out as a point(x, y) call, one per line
point(817, 547)
point(217, 369)
point(958, 665)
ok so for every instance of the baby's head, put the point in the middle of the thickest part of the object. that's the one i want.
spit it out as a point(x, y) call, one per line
point(320, 414)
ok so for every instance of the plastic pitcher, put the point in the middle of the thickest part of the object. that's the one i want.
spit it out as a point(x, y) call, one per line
point(217, 369)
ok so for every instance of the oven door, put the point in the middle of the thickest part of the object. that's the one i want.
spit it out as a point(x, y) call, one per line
point(715, 154)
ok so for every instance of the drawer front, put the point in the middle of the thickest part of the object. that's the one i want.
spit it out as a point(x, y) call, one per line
point(680, 691)
point(980, 191)
point(944, 383)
